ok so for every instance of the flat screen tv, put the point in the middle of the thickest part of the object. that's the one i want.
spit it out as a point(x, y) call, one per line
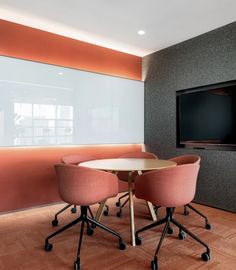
point(206, 117)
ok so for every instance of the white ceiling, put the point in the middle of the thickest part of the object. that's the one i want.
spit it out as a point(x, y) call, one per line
point(114, 23)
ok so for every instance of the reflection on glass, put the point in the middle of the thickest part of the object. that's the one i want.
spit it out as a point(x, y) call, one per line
point(43, 124)
point(44, 111)
point(101, 116)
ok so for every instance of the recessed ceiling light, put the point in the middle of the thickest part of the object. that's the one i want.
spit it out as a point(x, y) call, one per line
point(141, 32)
point(60, 73)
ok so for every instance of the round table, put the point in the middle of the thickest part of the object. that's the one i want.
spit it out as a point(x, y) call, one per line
point(130, 165)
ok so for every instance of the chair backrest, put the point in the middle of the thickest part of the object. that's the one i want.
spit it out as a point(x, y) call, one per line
point(76, 159)
point(124, 175)
point(170, 187)
point(84, 186)
point(186, 159)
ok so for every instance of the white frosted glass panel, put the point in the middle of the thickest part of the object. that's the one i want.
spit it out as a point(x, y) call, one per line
point(39, 106)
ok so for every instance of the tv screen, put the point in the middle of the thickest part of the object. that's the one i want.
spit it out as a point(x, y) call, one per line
point(206, 117)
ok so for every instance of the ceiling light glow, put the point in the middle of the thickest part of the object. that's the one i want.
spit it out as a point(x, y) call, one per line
point(141, 32)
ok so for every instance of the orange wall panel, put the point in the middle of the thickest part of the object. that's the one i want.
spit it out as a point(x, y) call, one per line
point(32, 44)
point(27, 176)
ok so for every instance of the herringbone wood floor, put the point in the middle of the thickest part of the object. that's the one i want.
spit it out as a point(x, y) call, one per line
point(22, 239)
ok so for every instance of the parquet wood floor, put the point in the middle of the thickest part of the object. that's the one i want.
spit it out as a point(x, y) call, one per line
point(22, 239)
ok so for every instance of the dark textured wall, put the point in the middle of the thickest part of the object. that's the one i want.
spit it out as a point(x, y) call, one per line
point(206, 59)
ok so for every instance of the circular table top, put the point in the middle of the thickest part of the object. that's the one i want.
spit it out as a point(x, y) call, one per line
point(128, 164)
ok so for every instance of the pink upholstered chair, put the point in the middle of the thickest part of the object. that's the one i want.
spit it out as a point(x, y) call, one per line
point(74, 160)
point(84, 187)
point(123, 177)
point(170, 188)
point(188, 159)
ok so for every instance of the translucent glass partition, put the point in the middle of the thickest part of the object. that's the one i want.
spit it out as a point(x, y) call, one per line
point(43, 104)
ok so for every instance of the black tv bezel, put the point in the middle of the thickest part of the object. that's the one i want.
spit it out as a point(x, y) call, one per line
point(201, 145)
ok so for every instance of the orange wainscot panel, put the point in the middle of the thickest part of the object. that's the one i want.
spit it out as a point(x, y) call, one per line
point(27, 176)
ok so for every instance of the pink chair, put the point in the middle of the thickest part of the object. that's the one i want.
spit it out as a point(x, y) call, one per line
point(170, 188)
point(74, 160)
point(84, 186)
point(123, 177)
point(188, 159)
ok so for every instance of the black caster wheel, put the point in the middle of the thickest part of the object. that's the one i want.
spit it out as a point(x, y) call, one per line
point(122, 245)
point(105, 213)
point(73, 210)
point(186, 212)
point(93, 226)
point(89, 231)
point(182, 235)
point(54, 222)
point(119, 214)
point(48, 247)
point(117, 204)
point(170, 230)
point(206, 256)
point(208, 226)
point(154, 264)
point(77, 265)
point(138, 241)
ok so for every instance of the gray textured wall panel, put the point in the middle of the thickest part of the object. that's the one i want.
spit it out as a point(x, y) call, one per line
point(206, 59)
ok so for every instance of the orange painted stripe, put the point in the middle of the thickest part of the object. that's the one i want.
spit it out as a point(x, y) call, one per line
point(32, 44)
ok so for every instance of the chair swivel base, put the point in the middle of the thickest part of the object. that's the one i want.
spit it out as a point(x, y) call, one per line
point(55, 220)
point(182, 230)
point(73, 211)
point(186, 213)
point(84, 218)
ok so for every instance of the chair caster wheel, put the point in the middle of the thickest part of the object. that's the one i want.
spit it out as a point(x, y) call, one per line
point(48, 247)
point(182, 235)
point(73, 210)
point(93, 226)
point(186, 212)
point(208, 226)
point(77, 265)
point(122, 245)
point(89, 231)
point(138, 241)
point(119, 214)
point(105, 213)
point(206, 256)
point(54, 222)
point(117, 204)
point(170, 230)
point(154, 264)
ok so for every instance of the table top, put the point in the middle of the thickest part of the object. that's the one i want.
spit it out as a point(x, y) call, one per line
point(128, 164)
